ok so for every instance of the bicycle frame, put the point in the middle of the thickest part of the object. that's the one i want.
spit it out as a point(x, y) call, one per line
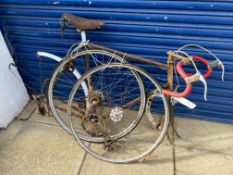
point(92, 97)
point(169, 67)
point(85, 44)
point(126, 56)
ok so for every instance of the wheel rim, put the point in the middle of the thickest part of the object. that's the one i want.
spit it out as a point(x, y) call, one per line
point(60, 115)
point(103, 155)
point(112, 103)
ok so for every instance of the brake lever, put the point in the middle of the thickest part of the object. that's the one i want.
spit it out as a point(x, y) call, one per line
point(218, 63)
point(221, 65)
point(202, 79)
point(198, 77)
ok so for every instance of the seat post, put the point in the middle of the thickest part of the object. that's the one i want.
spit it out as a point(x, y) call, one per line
point(83, 36)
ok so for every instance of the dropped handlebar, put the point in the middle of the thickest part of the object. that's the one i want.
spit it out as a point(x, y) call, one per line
point(189, 78)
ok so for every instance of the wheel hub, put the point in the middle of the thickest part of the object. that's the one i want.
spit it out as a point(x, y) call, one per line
point(94, 119)
point(116, 114)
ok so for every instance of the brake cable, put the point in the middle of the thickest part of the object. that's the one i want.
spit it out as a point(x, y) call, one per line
point(216, 63)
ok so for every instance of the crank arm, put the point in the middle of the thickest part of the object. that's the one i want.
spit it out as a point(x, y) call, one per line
point(218, 63)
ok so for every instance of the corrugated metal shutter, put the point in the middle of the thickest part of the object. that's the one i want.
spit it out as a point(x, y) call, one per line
point(147, 28)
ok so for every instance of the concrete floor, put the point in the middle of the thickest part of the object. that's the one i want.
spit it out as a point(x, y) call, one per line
point(39, 146)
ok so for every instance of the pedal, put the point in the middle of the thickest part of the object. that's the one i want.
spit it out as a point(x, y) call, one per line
point(185, 102)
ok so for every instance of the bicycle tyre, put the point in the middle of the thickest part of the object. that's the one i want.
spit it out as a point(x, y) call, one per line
point(113, 159)
point(59, 117)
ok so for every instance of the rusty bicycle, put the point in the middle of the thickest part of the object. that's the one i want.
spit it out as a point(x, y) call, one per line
point(117, 111)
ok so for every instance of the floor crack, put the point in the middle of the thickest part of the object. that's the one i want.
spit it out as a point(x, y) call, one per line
point(83, 161)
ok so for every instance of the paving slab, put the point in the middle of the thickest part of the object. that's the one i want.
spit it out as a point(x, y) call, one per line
point(205, 148)
point(41, 146)
point(160, 162)
point(216, 137)
point(194, 161)
point(38, 148)
point(48, 117)
point(36, 117)
point(6, 135)
point(28, 110)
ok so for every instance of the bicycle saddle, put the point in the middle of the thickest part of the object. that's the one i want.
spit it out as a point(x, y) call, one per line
point(80, 23)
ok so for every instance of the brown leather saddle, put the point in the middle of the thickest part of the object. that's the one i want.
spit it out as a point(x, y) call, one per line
point(80, 23)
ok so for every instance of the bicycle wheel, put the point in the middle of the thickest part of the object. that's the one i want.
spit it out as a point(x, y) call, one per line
point(114, 108)
point(65, 76)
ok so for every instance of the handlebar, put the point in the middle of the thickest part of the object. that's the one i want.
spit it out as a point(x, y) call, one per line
point(206, 62)
point(188, 77)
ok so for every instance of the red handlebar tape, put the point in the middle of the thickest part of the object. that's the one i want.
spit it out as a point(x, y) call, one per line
point(183, 74)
